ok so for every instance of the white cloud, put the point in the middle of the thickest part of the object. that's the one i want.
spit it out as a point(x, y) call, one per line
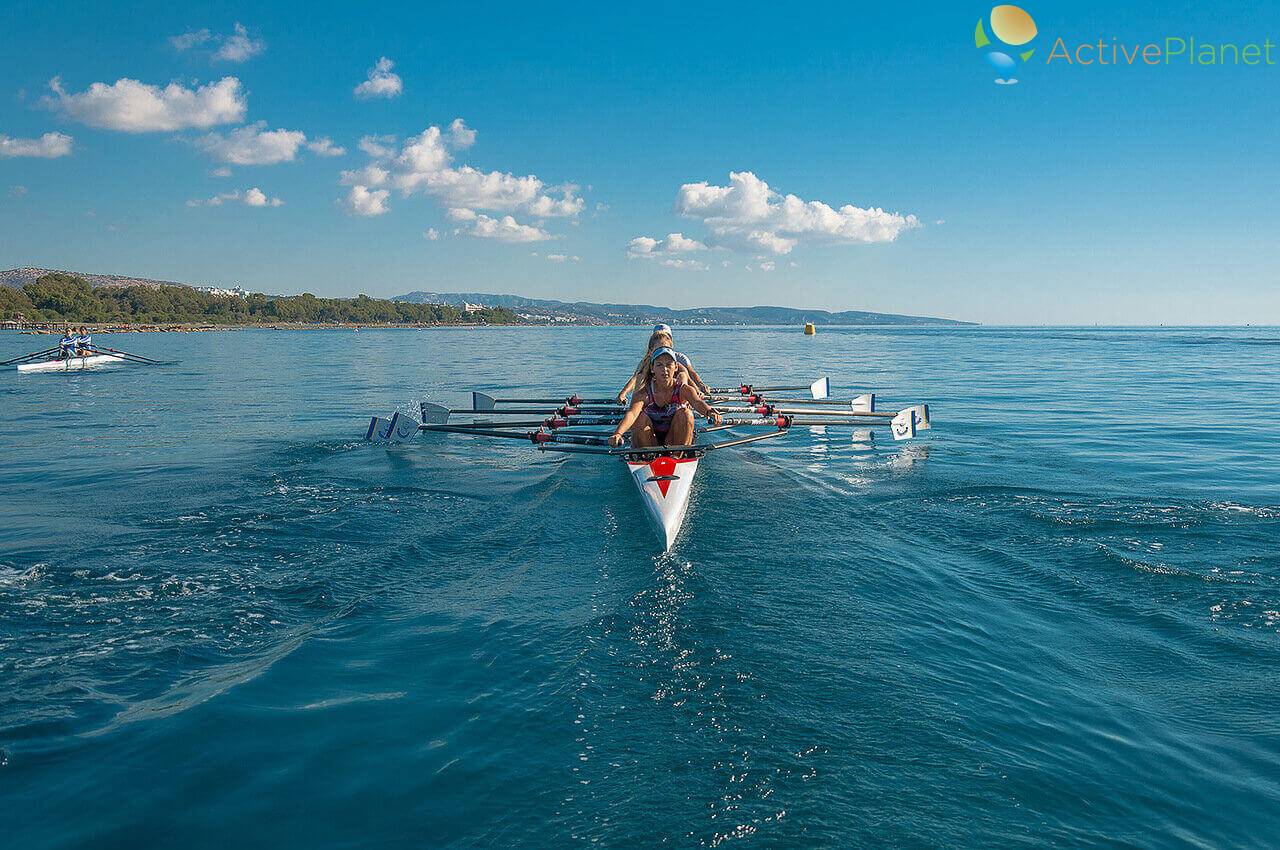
point(768, 266)
point(239, 47)
point(188, 40)
point(505, 229)
point(370, 175)
point(365, 202)
point(676, 263)
point(674, 243)
point(324, 146)
point(221, 172)
point(460, 135)
point(254, 145)
point(749, 216)
point(254, 197)
point(431, 234)
point(382, 82)
point(424, 164)
point(561, 258)
point(669, 251)
point(48, 146)
point(378, 147)
point(17, 191)
point(130, 106)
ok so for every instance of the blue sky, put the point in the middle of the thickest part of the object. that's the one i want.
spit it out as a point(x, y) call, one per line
point(878, 165)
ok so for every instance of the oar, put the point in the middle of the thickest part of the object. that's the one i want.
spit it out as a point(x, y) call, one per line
point(35, 355)
point(921, 412)
point(695, 449)
point(535, 437)
point(438, 414)
point(124, 355)
point(484, 401)
point(820, 388)
point(551, 424)
point(866, 401)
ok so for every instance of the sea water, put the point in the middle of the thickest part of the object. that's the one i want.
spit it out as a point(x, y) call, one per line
point(1053, 619)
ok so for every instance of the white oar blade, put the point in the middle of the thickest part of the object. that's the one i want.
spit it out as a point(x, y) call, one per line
point(821, 388)
point(922, 416)
point(904, 424)
point(378, 429)
point(402, 428)
point(483, 401)
point(434, 414)
point(865, 403)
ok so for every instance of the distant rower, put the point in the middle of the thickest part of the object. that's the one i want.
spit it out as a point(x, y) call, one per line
point(84, 343)
point(67, 345)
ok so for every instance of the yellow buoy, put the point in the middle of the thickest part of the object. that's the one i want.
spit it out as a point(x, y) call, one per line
point(809, 329)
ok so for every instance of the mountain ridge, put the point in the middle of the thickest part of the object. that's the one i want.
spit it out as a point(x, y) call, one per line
point(611, 313)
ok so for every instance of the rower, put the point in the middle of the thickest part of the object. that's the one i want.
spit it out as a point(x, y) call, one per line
point(84, 343)
point(67, 345)
point(662, 415)
point(661, 338)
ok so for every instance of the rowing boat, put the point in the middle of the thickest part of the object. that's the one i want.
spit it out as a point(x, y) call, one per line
point(41, 361)
point(663, 475)
point(69, 364)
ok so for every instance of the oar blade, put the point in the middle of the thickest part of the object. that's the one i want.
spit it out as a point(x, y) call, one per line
point(821, 388)
point(904, 424)
point(402, 428)
point(434, 414)
point(865, 403)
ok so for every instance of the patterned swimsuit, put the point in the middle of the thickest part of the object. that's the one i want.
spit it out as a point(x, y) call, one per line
point(660, 416)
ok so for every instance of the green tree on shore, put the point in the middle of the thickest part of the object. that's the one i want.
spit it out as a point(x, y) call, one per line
point(67, 298)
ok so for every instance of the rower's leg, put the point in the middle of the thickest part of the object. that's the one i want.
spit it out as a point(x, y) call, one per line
point(642, 436)
point(681, 432)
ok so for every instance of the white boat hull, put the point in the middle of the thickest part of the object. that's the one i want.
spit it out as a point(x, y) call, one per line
point(70, 364)
point(664, 483)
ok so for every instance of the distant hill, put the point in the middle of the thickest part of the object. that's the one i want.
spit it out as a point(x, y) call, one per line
point(586, 312)
point(21, 277)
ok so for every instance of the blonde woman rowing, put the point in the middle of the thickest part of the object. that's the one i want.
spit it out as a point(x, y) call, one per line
point(662, 415)
point(661, 338)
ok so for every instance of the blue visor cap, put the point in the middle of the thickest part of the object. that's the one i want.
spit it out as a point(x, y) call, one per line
point(667, 350)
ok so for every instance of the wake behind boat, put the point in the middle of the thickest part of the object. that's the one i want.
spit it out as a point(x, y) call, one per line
point(663, 474)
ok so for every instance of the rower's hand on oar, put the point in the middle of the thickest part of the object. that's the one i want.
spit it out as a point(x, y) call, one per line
point(622, 398)
point(715, 417)
point(615, 440)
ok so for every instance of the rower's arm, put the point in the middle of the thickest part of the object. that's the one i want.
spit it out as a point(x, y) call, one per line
point(695, 400)
point(631, 385)
point(697, 379)
point(628, 419)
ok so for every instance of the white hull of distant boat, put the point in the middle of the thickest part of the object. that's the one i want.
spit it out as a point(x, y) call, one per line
point(70, 364)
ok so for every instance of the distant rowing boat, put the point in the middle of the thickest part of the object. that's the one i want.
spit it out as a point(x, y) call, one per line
point(43, 361)
point(69, 364)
